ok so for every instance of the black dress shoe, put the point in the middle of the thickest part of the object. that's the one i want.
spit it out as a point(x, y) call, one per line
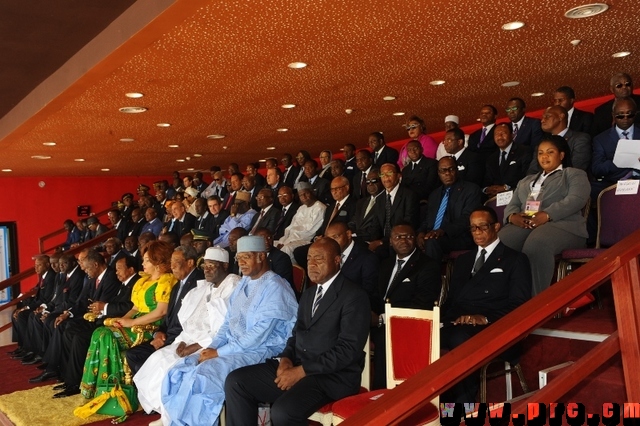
point(69, 391)
point(42, 366)
point(33, 360)
point(16, 351)
point(47, 375)
point(23, 355)
point(61, 386)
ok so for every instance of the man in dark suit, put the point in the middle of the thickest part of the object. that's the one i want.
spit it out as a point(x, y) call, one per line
point(218, 216)
point(280, 262)
point(290, 172)
point(526, 130)
point(395, 205)
point(579, 121)
point(407, 280)
point(325, 165)
point(115, 217)
point(268, 215)
point(621, 86)
point(364, 162)
point(320, 186)
point(183, 267)
point(113, 249)
point(470, 164)
point(137, 222)
point(350, 167)
point(446, 227)
point(364, 217)
point(486, 284)
point(421, 174)
point(274, 183)
point(234, 236)
point(481, 141)
point(507, 165)
point(204, 219)
point(382, 153)
point(604, 147)
point(554, 122)
point(235, 185)
point(182, 222)
point(323, 359)
point(250, 186)
point(289, 209)
point(252, 170)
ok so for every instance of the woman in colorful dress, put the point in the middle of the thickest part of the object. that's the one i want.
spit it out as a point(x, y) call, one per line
point(150, 297)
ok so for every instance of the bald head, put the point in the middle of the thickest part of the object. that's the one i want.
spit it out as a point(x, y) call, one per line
point(554, 120)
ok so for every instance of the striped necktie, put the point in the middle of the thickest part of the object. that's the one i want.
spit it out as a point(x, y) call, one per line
point(316, 302)
point(442, 209)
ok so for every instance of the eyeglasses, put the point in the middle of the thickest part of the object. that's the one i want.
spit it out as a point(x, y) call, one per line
point(623, 116)
point(447, 170)
point(403, 237)
point(411, 126)
point(482, 228)
point(372, 181)
point(337, 188)
point(512, 109)
point(208, 266)
point(243, 257)
point(621, 85)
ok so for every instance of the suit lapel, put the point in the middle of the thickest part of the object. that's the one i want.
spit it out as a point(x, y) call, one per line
point(407, 269)
point(491, 263)
point(327, 299)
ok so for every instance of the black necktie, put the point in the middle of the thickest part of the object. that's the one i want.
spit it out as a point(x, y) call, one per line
point(479, 262)
point(387, 216)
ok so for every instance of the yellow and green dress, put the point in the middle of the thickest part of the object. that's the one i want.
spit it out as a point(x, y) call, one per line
point(104, 357)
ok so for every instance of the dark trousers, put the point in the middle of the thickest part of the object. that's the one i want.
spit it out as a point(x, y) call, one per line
point(378, 339)
point(33, 339)
point(20, 326)
point(75, 340)
point(247, 386)
point(137, 355)
point(452, 336)
point(55, 355)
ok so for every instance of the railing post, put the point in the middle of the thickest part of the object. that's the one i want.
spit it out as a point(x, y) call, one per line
point(626, 293)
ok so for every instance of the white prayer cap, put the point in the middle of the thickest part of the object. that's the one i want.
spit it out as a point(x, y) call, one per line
point(251, 243)
point(217, 253)
point(453, 118)
point(303, 185)
point(191, 191)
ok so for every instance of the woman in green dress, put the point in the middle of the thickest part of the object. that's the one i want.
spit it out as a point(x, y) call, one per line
point(150, 297)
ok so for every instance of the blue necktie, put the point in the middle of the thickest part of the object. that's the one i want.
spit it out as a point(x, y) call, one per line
point(442, 209)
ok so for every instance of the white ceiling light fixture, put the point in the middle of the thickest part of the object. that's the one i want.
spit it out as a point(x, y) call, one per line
point(225, 147)
point(132, 110)
point(49, 143)
point(297, 65)
point(288, 106)
point(621, 54)
point(180, 160)
point(510, 83)
point(7, 170)
point(575, 42)
point(41, 157)
point(537, 94)
point(127, 140)
point(437, 82)
point(134, 95)
point(79, 160)
point(282, 129)
point(105, 170)
point(197, 155)
point(586, 10)
point(398, 114)
point(515, 25)
point(173, 146)
point(389, 98)
point(163, 124)
point(215, 136)
point(190, 169)
point(263, 160)
point(271, 148)
point(348, 110)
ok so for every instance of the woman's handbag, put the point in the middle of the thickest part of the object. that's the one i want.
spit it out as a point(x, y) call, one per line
point(112, 399)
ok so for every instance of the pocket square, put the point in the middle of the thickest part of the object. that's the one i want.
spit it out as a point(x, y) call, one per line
point(495, 270)
point(342, 213)
point(512, 163)
point(406, 280)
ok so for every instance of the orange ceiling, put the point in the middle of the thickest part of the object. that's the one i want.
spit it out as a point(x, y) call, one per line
point(220, 67)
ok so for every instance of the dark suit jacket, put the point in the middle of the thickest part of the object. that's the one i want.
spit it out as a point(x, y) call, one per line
point(581, 121)
point(57, 300)
point(345, 214)
point(121, 303)
point(286, 220)
point(321, 187)
point(350, 168)
point(501, 285)
point(330, 344)
point(254, 202)
point(281, 264)
point(418, 285)
point(388, 155)
point(217, 222)
point(205, 223)
point(603, 119)
point(119, 255)
point(105, 292)
point(404, 209)
point(361, 267)
point(183, 227)
point(488, 145)
point(290, 177)
point(356, 186)
point(464, 197)
point(170, 323)
point(325, 173)
point(471, 167)
point(509, 172)
point(365, 226)
point(45, 290)
point(579, 147)
point(269, 220)
point(72, 289)
point(530, 133)
point(421, 179)
point(135, 228)
point(604, 147)
point(123, 230)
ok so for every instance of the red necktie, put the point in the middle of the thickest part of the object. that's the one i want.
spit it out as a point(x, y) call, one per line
point(97, 282)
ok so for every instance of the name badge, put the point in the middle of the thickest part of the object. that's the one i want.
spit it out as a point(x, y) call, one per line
point(532, 207)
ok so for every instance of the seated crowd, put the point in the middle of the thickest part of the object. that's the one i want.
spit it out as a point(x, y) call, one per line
point(200, 275)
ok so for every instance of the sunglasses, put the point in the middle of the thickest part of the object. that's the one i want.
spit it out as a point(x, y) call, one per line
point(512, 109)
point(372, 181)
point(623, 116)
point(621, 85)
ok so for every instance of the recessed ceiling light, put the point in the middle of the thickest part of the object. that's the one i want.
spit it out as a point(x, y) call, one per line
point(282, 129)
point(510, 83)
point(224, 147)
point(190, 168)
point(180, 160)
point(79, 160)
point(41, 157)
point(586, 10)
point(288, 106)
point(621, 54)
point(7, 170)
point(49, 143)
point(537, 94)
point(132, 110)
point(389, 98)
point(174, 146)
point(348, 110)
point(515, 25)
point(437, 82)
point(127, 140)
point(271, 148)
point(399, 113)
point(197, 155)
point(105, 170)
point(575, 42)
point(163, 124)
point(134, 95)
point(215, 136)
point(297, 65)
point(262, 160)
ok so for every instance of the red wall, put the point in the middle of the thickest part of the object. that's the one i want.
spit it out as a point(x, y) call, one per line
point(39, 210)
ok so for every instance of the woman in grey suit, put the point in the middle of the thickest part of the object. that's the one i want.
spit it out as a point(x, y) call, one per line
point(544, 216)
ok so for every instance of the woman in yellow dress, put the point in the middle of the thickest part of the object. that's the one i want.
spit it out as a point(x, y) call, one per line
point(150, 297)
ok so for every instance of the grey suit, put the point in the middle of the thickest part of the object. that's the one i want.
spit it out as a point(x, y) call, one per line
point(579, 147)
point(564, 194)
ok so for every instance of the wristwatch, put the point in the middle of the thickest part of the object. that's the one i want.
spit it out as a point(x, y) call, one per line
point(380, 321)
